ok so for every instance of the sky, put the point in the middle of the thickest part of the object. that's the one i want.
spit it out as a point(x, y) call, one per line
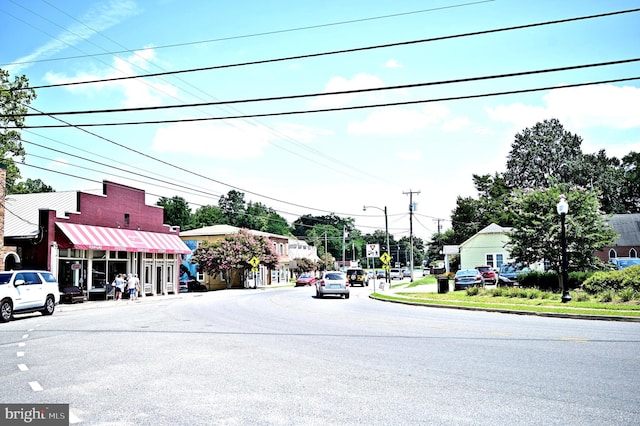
point(422, 142)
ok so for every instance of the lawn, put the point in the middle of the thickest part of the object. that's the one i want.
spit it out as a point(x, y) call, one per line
point(516, 300)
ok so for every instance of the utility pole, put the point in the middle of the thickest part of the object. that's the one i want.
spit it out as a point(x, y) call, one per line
point(411, 208)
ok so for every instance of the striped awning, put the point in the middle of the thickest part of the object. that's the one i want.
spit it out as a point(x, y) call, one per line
point(89, 237)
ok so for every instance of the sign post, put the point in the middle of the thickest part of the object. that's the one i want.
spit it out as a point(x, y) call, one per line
point(373, 251)
point(254, 262)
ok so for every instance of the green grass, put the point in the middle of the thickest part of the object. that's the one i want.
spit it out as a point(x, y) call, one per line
point(520, 300)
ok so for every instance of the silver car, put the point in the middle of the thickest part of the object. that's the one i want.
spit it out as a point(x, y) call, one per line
point(333, 282)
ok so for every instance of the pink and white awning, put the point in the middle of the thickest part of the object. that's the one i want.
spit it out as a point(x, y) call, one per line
point(89, 237)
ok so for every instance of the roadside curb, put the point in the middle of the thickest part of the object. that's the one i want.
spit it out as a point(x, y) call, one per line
point(513, 312)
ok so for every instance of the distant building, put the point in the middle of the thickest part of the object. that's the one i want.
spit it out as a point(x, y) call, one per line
point(627, 244)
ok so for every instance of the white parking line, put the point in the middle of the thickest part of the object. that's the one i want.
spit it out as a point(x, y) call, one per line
point(23, 367)
point(19, 354)
point(35, 386)
point(25, 336)
point(21, 345)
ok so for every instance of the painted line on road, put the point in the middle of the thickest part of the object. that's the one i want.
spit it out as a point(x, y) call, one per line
point(572, 339)
point(25, 336)
point(23, 367)
point(35, 386)
point(19, 354)
point(21, 345)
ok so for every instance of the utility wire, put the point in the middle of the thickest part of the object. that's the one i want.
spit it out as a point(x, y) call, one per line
point(348, 108)
point(191, 43)
point(342, 92)
point(342, 51)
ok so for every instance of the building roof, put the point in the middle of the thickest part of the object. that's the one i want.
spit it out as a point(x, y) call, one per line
point(490, 229)
point(21, 210)
point(628, 228)
point(225, 230)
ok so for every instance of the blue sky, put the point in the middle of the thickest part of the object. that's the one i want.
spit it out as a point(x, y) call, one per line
point(322, 162)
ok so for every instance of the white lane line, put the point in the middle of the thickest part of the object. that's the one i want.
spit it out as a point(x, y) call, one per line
point(21, 345)
point(73, 419)
point(30, 330)
point(23, 367)
point(25, 336)
point(19, 354)
point(35, 386)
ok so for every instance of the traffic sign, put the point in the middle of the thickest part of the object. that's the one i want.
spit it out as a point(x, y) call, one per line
point(254, 261)
point(385, 258)
point(373, 250)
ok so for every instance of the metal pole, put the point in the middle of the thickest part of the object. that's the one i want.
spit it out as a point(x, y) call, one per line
point(566, 296)
point(386, 229)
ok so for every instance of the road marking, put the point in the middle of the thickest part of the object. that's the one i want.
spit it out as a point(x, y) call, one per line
point(19, 354)
point(25, 336)
point(23, 367)
point(73, 419)
point(572, 339)
point(35, 386)
point(21, 345)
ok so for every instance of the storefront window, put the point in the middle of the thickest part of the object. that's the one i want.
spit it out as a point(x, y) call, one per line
point(99, 254)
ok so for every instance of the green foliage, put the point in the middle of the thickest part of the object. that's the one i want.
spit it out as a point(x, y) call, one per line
point(542, 280)
point(176, 211)
point(537, 229)
point(615, 281)
point(304, 265)
point(627, 294)
point(30, 186)
point(472, 291)
point(15, 97)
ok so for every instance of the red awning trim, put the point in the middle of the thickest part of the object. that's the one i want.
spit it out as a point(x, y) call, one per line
point(89, 237)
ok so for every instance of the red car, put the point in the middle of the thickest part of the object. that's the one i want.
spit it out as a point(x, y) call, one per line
point(488, 274)
point(306, 279)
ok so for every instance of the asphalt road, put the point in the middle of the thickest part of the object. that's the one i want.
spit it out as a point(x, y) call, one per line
point(282, 357)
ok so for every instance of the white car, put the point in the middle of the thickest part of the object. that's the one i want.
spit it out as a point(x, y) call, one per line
point(27, 291)
point(334, 283)
point(396, 274)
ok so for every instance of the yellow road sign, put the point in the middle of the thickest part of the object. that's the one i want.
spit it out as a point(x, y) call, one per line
point(385, 257)
point(254, 261)
point(254, 269)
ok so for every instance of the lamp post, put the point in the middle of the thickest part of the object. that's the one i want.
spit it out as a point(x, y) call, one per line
point(563, 208)
point(386, 230)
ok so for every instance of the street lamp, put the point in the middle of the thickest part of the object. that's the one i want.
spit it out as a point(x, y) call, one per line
point(563, 208)
point(386, 229)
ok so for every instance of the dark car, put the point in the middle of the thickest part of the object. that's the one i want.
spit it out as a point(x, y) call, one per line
point(306, 279)
point(357, 276)
point(465, 278)
point(488, 274)
point(196, 286)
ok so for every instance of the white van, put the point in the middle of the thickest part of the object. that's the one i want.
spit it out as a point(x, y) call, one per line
point(27, 291)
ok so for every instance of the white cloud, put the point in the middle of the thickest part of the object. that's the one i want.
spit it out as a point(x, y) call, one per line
point(99, 18)
point(409, 156)
point(236, 141)
point(137, 92)
point(399, 120)
point(337, 84)
point(455, 124)
point(392, 63)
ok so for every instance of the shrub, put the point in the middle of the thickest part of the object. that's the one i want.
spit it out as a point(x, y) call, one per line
point(631, 277)
point(606, 296)
point(541, 280)
point(473, 291)
point(603, 281)
point(579, 296)
point(627, 294)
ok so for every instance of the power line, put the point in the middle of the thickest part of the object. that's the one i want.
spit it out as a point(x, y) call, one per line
point(191, 43)
point(342, 92)
point(314, 111)
point(342, 51)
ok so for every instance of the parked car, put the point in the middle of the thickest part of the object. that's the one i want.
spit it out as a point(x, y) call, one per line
point(488, 274)
point(406, 273)
point(333, 282)
point(381, 274)
point(509, 272)
point(396, 273)
point(306, 278)
point(624, 262)
point(465, 278)
point(357, 276)
point(27, 291)
point(195, 286)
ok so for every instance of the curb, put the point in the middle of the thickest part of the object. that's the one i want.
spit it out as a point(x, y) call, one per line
point(513, 312)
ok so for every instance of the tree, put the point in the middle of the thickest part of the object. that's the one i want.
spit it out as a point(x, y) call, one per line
point(631, 169)
point(207, 216)
point(233, 207)
point(304, 264)
point(30, 186)
point(232, 255)
point(542, 155)
point(604, 173)
point(537, 233)
point(176, 211)
point(15, 98)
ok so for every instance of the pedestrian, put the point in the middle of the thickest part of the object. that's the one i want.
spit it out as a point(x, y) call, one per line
point(134, 286)
point(119, 282)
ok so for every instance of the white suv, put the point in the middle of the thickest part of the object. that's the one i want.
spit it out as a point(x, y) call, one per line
point(27, 291)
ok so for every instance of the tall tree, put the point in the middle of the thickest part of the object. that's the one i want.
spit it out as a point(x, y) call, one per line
point(233, 207)
point(542, 155)
point(536, 235)
point(176, 212)
point(15, 98)
point(631, 170)
point(597, 171)
point(207, 216)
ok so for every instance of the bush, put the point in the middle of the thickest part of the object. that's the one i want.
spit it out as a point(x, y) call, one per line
point(541, 280)
point(627, 294)
point(602, 281)
point(473, 291)
point(606, 296)
point(631, 277)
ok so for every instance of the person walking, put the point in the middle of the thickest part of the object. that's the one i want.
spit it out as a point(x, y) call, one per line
point(119, 287)
point(134, 286)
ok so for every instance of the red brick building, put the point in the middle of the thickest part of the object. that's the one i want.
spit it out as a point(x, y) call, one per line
point(86, 238)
